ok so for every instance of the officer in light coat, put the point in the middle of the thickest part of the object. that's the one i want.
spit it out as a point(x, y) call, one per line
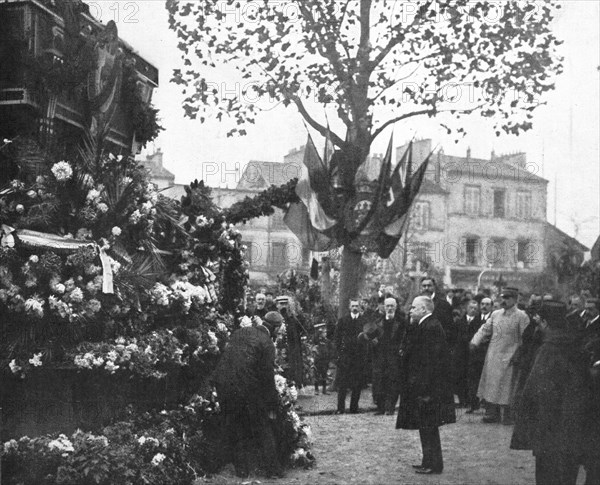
point(503, 330)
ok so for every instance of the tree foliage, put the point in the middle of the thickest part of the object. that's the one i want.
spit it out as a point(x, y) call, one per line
point(376, 62)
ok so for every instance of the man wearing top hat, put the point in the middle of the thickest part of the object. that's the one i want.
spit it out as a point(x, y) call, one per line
point(503, 331)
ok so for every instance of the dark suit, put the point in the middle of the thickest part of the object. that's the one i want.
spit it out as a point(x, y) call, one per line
point(386, 361)
point(551, 414)
point(294, 329)
point(260, 312)
point(427, 400)
point(245, 382)
point(459, 349)
point(442, 312)
point(475, 362)
point(351, 360)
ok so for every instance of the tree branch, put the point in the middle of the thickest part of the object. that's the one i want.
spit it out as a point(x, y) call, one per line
point(432, 110)
point(315, 124)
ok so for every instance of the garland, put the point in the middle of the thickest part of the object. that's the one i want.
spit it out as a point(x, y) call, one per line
point(263, 204)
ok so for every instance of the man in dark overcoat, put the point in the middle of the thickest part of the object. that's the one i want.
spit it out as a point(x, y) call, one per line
point(442, 310)
point(591, 346)
point(466, 326)
point(294, 330)
point(386, 359)
point(551, 413)
point(427, 401)
point(245, 382)
point(351, 352)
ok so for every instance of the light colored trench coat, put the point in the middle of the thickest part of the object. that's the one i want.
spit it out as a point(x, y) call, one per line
point(504, 330)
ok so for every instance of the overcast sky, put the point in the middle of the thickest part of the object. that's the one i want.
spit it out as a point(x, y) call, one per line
point(563, 145)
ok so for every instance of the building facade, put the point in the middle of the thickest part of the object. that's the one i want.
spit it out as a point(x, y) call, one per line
point(479, 221)
point(476, 221)
point(63, 75)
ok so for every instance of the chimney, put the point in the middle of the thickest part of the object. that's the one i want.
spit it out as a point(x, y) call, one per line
point(468, 154)
point(493, 155)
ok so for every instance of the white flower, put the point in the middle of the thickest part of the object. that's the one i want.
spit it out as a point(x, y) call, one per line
point(76, 295)
point(14, 367)
point(11, 445)
point(115, 266)
point(83, 233)
point(94, 305)
point(62, 171)
point(102, 207)
point(61, 443)
point(31, 194)
point(35, 307)
point(59, 288)
point(280, 383)
point(33, 258)
point(245, 321)
point(135, 217)
point(213, 338)
point(158, 459)
point(20, 208)
point(93, 195)
point(116, 231)
point(36, 361)
point(111, 367)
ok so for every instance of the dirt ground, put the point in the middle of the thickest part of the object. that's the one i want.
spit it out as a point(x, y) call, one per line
point(367, 449)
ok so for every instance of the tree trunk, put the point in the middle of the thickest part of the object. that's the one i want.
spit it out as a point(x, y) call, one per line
point(349, 279)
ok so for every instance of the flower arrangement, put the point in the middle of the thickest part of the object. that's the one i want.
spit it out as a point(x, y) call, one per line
point(92, 252)
point(166, 447)
point(294, 436)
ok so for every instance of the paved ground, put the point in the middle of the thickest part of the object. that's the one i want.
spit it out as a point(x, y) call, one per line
point(367, 449)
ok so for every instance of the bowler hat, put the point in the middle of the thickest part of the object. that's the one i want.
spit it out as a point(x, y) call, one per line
point(553, 311)
point(510, 291)
point(274, 319)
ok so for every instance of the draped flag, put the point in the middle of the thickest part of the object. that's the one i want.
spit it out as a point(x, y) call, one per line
point(307, 219)
point(398, 215)
point(372, 217)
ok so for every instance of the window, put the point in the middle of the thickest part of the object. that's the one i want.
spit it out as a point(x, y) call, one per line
point(420, 216)
point(499, 202)
point(525, 253)
point(524, 205)
point(250, 251)
point(472, 195)
point(495, 253)
point(421, 251)
point(471, 251)
point(278, 256)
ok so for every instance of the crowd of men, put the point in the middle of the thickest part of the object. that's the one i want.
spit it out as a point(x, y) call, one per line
point(536, 366)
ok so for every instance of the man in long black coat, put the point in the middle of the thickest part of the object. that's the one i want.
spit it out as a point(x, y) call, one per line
point(442, 310)
point(351, 353)
point(551, 413)
point(427, 401)
point(466, 327)
point(294, 331)
point(245, 382)
point(385, 342)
